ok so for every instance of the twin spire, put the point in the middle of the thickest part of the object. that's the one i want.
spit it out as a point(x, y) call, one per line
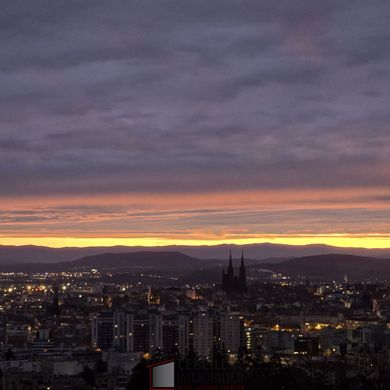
point(232, 283)
point(231, 261)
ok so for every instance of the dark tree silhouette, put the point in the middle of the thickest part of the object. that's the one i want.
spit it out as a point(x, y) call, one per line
point(89, 376)
point(9, 355)
point(139, 379)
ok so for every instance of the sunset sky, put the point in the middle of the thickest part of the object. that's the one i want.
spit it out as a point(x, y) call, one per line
point(198, 122)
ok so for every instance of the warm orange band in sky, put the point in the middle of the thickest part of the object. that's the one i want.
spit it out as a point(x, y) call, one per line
point(377, 241)
point(348, 217)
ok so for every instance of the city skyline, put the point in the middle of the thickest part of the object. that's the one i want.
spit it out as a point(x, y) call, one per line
point(194, 123)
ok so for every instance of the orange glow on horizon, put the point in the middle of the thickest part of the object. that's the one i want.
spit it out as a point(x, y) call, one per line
point(148, 220)
point(371, 241)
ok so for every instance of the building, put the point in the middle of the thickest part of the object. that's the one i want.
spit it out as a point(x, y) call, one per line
point(231, 333)
point(232, 283)
point(306, 346)
point(102, 330)
point(203, 334)
point(155, 332)
point(140, 333)
point(184, 334)
point(123, 331)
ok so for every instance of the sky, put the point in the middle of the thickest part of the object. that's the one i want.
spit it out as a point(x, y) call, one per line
point(194, 122)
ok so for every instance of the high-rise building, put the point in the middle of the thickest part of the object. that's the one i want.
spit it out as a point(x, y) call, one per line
point(231, 333)
point(147, 331)
point(184, 334)
point(131, 332)
point(123, 331)
point(155, 332)
point(102, 330)
point(56, 305)
point(170, 332)
point(203, 326)
point(141, 334)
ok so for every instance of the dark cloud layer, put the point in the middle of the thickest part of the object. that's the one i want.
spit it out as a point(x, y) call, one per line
point(161, 96)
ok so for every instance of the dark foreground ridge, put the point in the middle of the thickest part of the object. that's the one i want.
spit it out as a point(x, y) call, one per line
point(333, 267)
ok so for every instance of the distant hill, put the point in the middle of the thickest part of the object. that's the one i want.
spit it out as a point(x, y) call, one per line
point(320, 267)
point(333, 267)
point(136, 259)
point(277, 252)
point(262, 252)
point(114, 261)
point(41, 254)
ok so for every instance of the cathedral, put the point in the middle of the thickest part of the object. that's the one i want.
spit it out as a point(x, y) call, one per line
point(232, 283)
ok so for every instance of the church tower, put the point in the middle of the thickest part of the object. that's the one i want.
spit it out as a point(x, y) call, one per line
point(242, 274)
point(232, 283)
point(230, 270)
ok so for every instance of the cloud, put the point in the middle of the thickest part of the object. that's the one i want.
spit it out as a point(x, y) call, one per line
point(196, 222)
point(192, 97)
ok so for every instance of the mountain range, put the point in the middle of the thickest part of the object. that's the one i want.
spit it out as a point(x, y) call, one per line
point(260, 252)
point(318, 267)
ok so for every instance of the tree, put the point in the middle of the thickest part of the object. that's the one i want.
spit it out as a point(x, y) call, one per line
point(89, 376)
point(9, 355)
point(139, 379)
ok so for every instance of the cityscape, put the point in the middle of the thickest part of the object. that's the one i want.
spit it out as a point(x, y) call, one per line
point(78, 330)
point(194, 195)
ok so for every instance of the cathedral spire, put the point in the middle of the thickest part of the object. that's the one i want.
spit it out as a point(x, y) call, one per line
point(230, 270)
point(242, 274)
point(232, 283)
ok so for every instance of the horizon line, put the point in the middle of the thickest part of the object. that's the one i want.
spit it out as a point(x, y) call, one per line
point(352, 241)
